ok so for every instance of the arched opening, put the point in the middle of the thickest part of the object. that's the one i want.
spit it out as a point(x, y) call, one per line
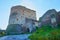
point(28, 30)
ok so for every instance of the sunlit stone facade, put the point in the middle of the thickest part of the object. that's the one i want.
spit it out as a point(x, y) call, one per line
point(23, 16)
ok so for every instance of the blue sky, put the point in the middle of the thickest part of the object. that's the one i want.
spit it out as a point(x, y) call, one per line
point(40, 6)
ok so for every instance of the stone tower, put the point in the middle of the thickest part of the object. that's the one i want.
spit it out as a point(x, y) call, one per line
point(20, 13)
point(22, 16)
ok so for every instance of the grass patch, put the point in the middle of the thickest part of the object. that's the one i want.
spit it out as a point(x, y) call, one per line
point(46, 33)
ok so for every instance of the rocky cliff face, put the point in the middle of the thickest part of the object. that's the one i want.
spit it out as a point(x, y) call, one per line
point(51, 17)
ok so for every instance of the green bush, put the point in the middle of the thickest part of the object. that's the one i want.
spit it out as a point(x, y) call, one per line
point(2, 34)
point(46, 33)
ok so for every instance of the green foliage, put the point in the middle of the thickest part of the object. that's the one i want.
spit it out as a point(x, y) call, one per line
point(2, 34)
point(58, 25)
point(37, 28)
point(46, 33)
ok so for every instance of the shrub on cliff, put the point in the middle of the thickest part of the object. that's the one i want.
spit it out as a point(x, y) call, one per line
point(46, 33)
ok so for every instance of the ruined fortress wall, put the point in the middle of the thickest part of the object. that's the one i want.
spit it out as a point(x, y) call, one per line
point(20, 13)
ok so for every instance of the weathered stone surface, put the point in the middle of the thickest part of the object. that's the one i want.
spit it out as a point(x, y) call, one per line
point(51, 17)
point(16, 37)
point(18, 15)
point(14, 29)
